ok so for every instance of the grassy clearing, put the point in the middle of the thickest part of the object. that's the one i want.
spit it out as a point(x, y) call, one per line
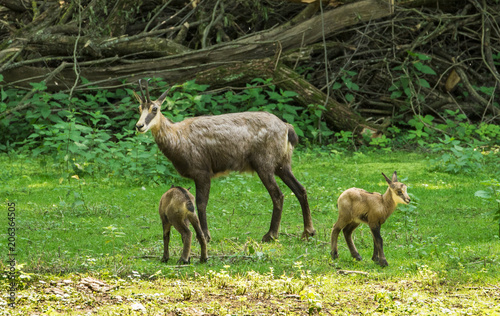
point(442, 249)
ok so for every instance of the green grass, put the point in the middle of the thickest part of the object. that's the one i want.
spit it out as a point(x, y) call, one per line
point(442, 249)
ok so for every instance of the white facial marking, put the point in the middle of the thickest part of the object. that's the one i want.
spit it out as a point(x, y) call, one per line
point(142, 121)
point(398, 199)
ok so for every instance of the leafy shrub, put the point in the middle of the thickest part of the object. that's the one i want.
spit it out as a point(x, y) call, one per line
point(422, 132)
point(346, 81)
point(459, 143)
point(93, 133)
point(457, 157)
point(411, 80)
point(189, 100)
point(344, 139)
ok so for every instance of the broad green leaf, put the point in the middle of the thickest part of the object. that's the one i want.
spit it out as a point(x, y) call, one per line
point(483, 194)
point(396, 94)
point(336, 86)
point(45, 111)
point(427, 70)
point(424, 83)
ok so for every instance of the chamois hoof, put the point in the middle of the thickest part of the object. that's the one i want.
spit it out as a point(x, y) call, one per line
point(203, 260)
point(269, 237)
point(164, 259)
point(382, 263)
point(308, 233)
point(182, 261)
point(358, 258)
point(334, 255)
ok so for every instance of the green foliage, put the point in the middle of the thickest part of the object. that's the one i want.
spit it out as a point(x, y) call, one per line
point(87, 148)
point(411, 80)
point(92, 133)
point(382, 142)
point(457, 157)
point(421, 132)
point(102, 110)
point(344, 139)
point(261, 95)
point(79, 133)
point(19, 276)
point(346, 80)
point(461, 146)
point(112, 232)
point(492, 195)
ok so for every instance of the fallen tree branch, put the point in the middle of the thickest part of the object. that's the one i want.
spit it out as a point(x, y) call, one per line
point(23, 104)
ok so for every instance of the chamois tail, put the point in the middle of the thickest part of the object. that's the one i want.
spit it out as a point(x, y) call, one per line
point(293, 139)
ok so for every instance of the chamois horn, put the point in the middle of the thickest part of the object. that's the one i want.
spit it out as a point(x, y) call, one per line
point(148, 99)
point(142, 91)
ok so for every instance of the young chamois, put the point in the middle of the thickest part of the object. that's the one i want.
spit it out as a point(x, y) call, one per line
point(177, 209)
point(359, 206)
point(203, 147)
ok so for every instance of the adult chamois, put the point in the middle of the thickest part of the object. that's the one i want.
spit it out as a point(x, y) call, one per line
point(203, 147)
point(177, 209)
point(359, 206)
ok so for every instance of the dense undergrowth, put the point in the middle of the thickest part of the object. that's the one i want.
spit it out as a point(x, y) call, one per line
point(93, 133)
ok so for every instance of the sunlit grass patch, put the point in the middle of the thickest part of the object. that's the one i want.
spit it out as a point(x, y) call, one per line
point(442, 249)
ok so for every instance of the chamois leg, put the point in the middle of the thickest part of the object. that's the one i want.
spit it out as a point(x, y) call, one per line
point(348, 238)
point(201, 238)
point(166, 239)
point(183, 228)
point(202, 185)
point(285, 173)
point(378, 247)
point(269, 182)
point(335, 235)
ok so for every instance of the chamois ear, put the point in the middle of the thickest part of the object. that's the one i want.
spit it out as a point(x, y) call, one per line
point(395, 177)
point(387, 179)
point(164, 95)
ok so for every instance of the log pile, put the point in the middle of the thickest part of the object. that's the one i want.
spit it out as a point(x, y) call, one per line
point(461, 47)
point(364, 57)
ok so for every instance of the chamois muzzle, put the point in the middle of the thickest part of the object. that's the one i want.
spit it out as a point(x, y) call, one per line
point(139, 127)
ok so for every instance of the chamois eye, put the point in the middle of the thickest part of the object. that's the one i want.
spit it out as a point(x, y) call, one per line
point(155, 109)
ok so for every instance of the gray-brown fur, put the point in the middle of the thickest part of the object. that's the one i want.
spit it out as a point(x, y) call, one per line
point(204, 147)
point(359, 206)
point(176, 209)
